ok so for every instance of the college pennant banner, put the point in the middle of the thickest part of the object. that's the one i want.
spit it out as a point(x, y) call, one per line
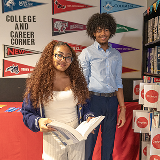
point(62, 27)
point(111, 6)
point(77, 48)
point(59, 6)
point(13, 68)
point(12, 5)
point(122, 48)
point(127, 70)
point(11, 51)
point(121, 28)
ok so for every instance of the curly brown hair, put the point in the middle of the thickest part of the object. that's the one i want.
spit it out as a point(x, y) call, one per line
point(102, 20)
point(40, 84)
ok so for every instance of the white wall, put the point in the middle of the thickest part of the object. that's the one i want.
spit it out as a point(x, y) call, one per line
point(42, 29)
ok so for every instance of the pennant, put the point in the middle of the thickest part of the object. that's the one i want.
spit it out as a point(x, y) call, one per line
point(121, 28)
point(59, 6)
point(12, 5)
point(62, 27)
point(111, 6)
point(11, 51)
point(13, 68)
point(122, 48)
point(77, 48)
point(125, 70)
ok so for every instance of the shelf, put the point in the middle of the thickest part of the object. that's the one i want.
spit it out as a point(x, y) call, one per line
point(152, 75)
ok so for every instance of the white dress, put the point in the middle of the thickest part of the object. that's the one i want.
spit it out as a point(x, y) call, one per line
point(62, 108)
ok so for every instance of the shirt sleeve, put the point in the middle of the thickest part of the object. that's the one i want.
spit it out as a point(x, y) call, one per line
point(85, 63)
point(118, 79)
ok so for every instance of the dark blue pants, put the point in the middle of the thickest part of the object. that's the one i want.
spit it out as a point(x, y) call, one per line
point(106, 106)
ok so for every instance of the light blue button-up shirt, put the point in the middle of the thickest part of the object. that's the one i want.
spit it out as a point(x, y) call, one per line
point(101, 69)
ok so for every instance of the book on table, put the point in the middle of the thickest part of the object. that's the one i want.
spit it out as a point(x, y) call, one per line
point(68, 135)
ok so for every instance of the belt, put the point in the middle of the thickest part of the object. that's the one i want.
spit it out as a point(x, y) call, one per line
point(103, 94)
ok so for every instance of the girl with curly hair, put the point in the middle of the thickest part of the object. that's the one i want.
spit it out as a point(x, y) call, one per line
point(56, 90)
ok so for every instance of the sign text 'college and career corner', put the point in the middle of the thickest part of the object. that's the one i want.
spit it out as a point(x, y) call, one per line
point(21, 35)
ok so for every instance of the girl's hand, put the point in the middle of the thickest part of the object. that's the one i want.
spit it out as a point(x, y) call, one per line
point(43, 125)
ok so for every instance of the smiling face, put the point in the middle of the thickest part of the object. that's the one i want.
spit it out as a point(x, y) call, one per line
point(60, 63)
point(102, 36)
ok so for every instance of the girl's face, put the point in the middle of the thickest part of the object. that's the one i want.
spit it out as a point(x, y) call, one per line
point(62, 57)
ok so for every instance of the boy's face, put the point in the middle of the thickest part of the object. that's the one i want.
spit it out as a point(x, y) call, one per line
point(102, 35)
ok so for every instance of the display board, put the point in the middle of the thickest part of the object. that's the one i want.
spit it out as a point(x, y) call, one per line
point(26, 27)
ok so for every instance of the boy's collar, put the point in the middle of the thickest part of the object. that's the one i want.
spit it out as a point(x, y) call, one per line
point(98, 46)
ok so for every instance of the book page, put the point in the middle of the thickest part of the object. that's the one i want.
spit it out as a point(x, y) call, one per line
point(66, 132)
point(68, 135)
point(85, 128)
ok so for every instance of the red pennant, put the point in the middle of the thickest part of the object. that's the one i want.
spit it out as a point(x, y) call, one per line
point(13, 68)
point(125, 70)
point(60, 6)
point(77, 48)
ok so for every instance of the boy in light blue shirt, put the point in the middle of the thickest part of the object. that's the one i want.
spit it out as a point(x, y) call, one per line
point(102, 68)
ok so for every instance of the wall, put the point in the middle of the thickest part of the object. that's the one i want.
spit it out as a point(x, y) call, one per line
point(150, 2)
point(15, 67)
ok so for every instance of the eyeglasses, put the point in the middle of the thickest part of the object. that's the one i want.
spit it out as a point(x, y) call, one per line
point(60, 57)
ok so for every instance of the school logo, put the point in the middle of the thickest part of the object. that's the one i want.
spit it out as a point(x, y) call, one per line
point(11, 51)
point(63, 27)
point(121, 28)
point(111, 6)
point(59, 6)
point(13, 68)
point(122, 48)
point(126, 70)
point(11, 5)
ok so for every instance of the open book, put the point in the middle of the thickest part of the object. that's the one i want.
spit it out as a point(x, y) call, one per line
point(68, 135)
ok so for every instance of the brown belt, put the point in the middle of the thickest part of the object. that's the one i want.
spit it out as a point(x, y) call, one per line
point(103, 94)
